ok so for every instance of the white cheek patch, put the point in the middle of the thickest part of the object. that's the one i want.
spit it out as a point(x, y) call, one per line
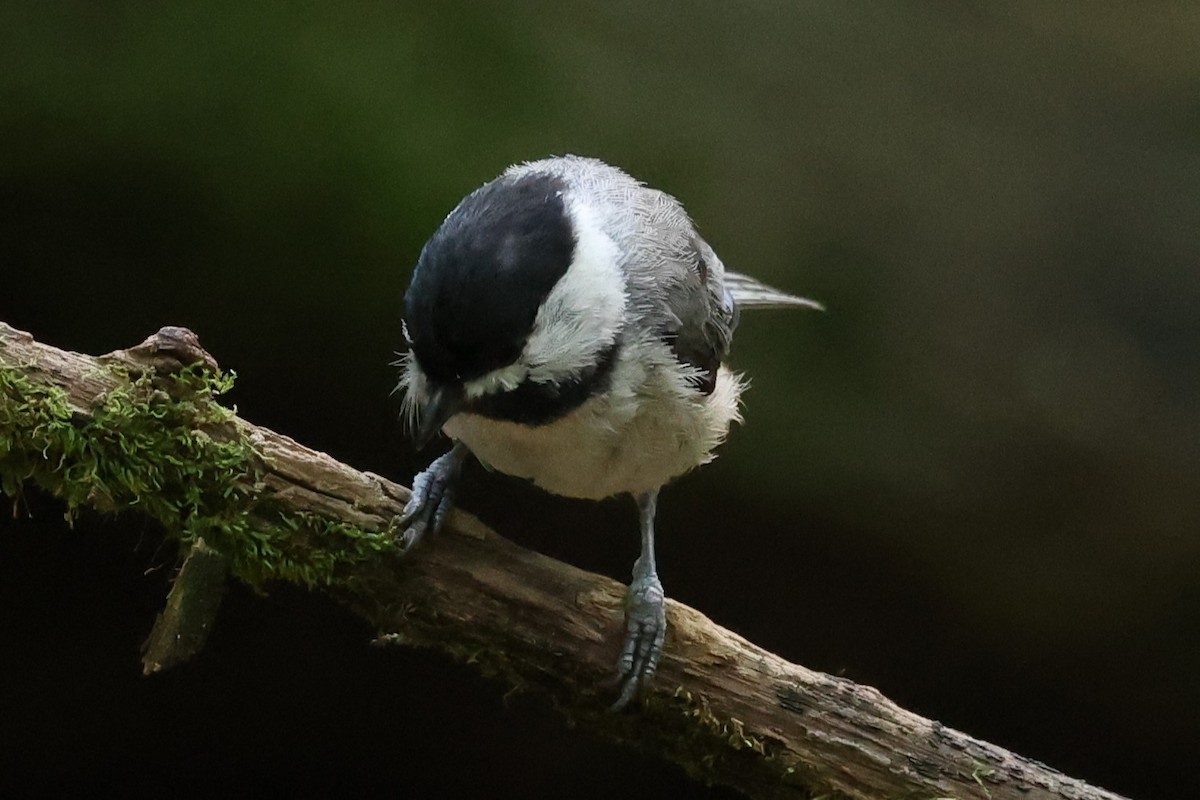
point(583, 313)
point(580, 317)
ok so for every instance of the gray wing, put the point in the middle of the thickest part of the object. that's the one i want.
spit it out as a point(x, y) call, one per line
point(680, 290)
point(696, 300)
point(705, 312)
point(675, 281)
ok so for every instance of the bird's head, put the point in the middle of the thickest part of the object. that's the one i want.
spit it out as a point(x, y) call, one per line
point(515, 307)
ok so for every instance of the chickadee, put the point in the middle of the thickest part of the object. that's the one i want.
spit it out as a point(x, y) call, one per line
point(566, 324)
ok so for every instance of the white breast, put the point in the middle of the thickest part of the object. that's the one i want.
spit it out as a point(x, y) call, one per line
point(650, 427)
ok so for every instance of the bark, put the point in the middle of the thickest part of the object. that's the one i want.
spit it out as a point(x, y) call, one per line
point(725, 709)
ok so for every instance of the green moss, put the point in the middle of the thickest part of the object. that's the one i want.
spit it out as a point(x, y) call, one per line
point(164, 446)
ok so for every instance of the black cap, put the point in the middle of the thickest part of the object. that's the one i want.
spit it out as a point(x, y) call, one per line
point(482, 277)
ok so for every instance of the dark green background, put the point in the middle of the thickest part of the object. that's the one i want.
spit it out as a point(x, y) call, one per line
point(972, 483)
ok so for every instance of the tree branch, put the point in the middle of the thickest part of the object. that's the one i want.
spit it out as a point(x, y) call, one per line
point(136, 429)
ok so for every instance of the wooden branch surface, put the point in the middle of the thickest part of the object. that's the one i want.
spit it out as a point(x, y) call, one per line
point(725, 709)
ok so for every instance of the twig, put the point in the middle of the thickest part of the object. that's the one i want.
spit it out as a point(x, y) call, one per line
point(182, 628)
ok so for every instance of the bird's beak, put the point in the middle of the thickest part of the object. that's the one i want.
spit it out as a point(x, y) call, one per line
point(444, 404)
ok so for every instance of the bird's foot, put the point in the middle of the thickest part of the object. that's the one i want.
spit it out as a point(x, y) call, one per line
point(431, 499)
point(645, 631)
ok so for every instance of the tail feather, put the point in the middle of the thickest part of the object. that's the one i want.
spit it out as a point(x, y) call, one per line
point(750, 293)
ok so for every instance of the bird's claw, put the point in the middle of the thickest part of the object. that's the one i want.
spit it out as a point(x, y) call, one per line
point(645, 632)
point(431, 500)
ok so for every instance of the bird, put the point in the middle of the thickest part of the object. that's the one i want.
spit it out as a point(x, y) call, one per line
point(566, 324)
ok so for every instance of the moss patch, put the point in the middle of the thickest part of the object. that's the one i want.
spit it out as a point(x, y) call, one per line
point(162, 445)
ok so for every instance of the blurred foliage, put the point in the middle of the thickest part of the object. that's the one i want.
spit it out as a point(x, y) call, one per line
point(998, 203)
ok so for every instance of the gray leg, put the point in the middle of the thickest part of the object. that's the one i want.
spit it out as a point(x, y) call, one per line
point(432, 496)
point(645, 613)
